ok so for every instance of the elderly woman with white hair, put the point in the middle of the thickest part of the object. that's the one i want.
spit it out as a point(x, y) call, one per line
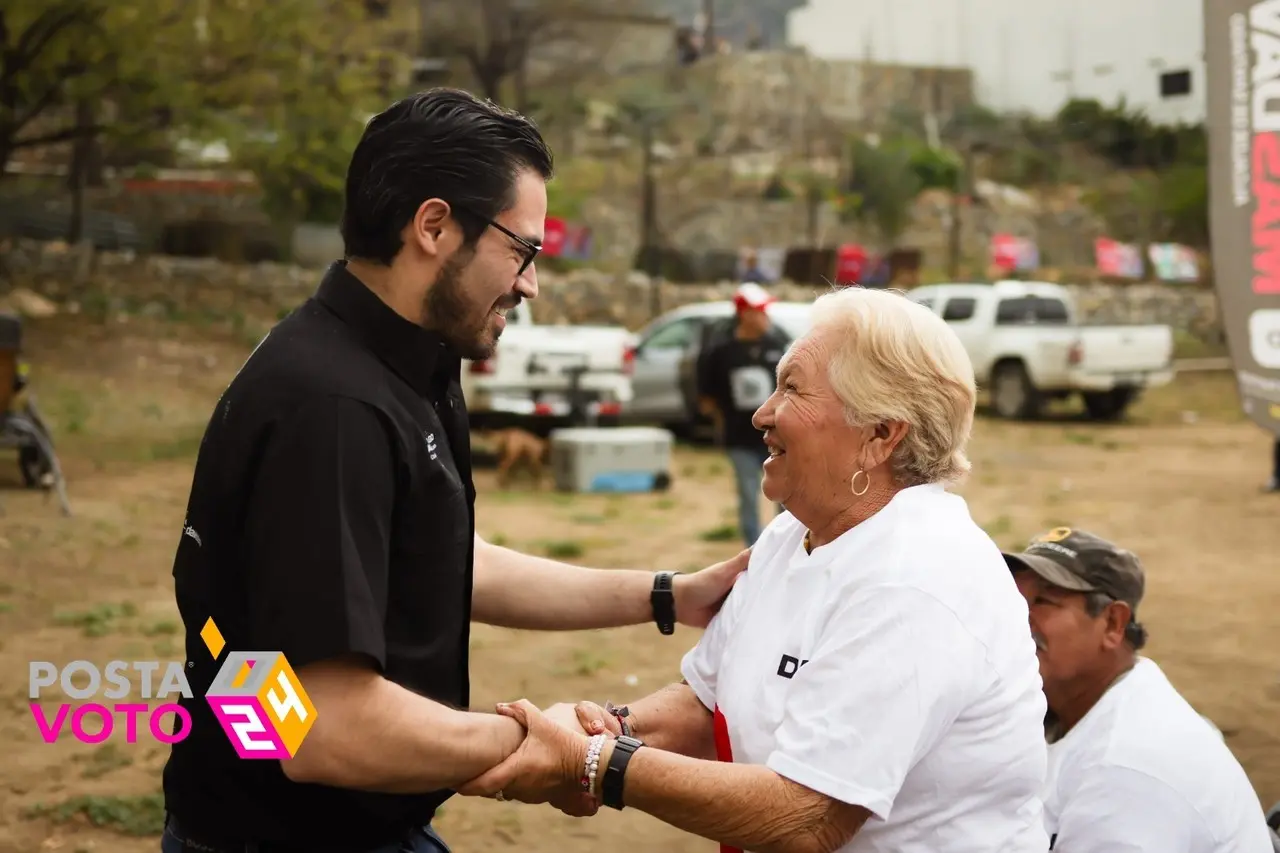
point(871, 683)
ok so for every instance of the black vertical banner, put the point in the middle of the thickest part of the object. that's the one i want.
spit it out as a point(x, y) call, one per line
point(1242, 59)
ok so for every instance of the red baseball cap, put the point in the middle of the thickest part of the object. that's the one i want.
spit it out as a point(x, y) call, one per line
point(752, 295)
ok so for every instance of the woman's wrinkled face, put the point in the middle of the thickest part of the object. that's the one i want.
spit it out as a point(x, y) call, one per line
point(812, 451)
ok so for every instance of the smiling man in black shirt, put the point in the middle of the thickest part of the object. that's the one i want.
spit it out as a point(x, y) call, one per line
point(331, 514)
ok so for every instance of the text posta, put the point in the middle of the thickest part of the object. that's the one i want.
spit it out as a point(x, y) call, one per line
point(81, 680)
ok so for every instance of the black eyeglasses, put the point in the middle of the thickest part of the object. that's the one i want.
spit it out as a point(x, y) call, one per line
point(530, 248)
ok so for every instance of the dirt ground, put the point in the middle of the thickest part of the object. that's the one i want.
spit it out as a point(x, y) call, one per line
point(1179, 484)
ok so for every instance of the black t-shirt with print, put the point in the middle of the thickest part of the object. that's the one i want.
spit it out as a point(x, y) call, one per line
point(740, 375)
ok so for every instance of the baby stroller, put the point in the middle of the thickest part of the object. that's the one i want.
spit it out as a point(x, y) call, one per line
point(21, 426)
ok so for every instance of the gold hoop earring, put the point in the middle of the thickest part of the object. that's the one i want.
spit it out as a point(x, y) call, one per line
point(853, 483)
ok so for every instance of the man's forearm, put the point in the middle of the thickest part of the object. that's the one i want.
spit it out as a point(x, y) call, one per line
point(675, 720)
point(741, 805)
point(372, 734)
point(515, 590)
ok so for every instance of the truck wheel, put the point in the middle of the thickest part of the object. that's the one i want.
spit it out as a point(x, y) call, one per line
point(1108, 405)
point(1012, 395)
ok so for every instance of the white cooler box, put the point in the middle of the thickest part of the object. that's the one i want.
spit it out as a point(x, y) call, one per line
point(611, 459)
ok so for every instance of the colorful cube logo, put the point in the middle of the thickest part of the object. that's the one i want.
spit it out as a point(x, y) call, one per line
point(259, 702)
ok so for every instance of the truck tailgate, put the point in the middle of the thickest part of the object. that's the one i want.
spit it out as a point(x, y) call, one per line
point(604, 346)
point(540, 358)
point(1125, 349)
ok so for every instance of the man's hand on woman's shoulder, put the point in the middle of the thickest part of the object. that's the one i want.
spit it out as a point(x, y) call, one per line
point(699, 595)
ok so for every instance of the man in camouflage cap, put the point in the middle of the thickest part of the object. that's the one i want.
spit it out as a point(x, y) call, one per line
point(1130, 761)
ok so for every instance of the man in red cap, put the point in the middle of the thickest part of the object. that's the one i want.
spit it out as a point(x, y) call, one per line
point(736, 373)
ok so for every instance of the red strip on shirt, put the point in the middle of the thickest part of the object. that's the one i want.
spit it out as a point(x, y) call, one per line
point(724, 752)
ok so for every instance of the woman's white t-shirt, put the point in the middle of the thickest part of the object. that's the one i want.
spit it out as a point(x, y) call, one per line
point(1143, 771)
point(893, 669)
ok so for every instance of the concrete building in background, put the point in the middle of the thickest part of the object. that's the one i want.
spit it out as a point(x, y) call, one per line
point(1028, 55)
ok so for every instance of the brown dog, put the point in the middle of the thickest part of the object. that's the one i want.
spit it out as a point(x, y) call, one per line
point(520, 449)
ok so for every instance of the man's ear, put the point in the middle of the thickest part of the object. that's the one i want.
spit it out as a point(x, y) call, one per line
point(432, 227)
point(1117, 615)
point(879, 442)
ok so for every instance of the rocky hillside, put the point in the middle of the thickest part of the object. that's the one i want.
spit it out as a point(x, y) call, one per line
point(739, 20)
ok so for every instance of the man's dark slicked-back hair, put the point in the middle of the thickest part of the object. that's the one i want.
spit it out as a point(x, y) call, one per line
point(441, 143)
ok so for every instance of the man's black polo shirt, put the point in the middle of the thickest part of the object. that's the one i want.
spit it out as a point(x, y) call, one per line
point(331, 512)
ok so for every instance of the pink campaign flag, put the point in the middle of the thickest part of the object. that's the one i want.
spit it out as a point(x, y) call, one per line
point(1116, 259)
point(1011, 253)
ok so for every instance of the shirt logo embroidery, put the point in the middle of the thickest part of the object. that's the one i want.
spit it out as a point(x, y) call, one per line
point(188, 530)
point(431, 443)
point(789, 666)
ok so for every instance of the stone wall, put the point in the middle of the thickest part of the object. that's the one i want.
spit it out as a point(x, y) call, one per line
point(223, 217)
point(794, 94)
point(181, 286)
point(211, 214)
point(693, 225)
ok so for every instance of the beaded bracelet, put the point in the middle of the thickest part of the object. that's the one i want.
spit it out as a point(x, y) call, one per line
point(592, 764)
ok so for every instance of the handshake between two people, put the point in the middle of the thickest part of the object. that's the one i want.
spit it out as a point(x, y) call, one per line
point(566, 748)
point(561, 761)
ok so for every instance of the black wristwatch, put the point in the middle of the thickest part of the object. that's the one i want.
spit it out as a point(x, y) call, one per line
point(611, 784)
point(663, 601)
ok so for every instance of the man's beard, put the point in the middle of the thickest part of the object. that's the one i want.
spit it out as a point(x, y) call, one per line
point(464, 327)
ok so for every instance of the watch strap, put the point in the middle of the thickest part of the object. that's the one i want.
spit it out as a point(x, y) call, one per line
point(663, 601)
point(615, 772)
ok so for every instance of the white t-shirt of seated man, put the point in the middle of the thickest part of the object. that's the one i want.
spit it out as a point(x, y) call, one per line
point(892, 669)
point(1143, 771)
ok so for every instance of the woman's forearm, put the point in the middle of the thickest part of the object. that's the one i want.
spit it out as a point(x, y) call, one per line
point(747, 806)
point(675, 720)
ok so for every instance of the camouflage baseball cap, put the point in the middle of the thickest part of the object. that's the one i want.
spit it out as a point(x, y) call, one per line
point(1082, 562)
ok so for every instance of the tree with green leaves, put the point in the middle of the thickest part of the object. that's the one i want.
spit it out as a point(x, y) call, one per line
point(60, 60)
point(882, 188)
point(513, 47)
point(298, 139)
point(286, 84)
point(1159, 187)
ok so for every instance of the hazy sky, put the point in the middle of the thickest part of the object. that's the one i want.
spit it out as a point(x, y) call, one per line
point(1016, 47)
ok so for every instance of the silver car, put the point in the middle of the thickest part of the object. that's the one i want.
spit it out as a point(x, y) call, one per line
point(667, 351)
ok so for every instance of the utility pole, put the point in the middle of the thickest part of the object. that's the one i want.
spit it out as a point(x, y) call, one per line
point(424, 26)
point(1068, 74)
point(966, 187)
point(426, 68)
point(812, 191)
point(649, 215)
point(81, 154)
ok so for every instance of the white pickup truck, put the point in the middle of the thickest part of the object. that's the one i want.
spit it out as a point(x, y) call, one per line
point(1028, 347)
point(528, 380)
